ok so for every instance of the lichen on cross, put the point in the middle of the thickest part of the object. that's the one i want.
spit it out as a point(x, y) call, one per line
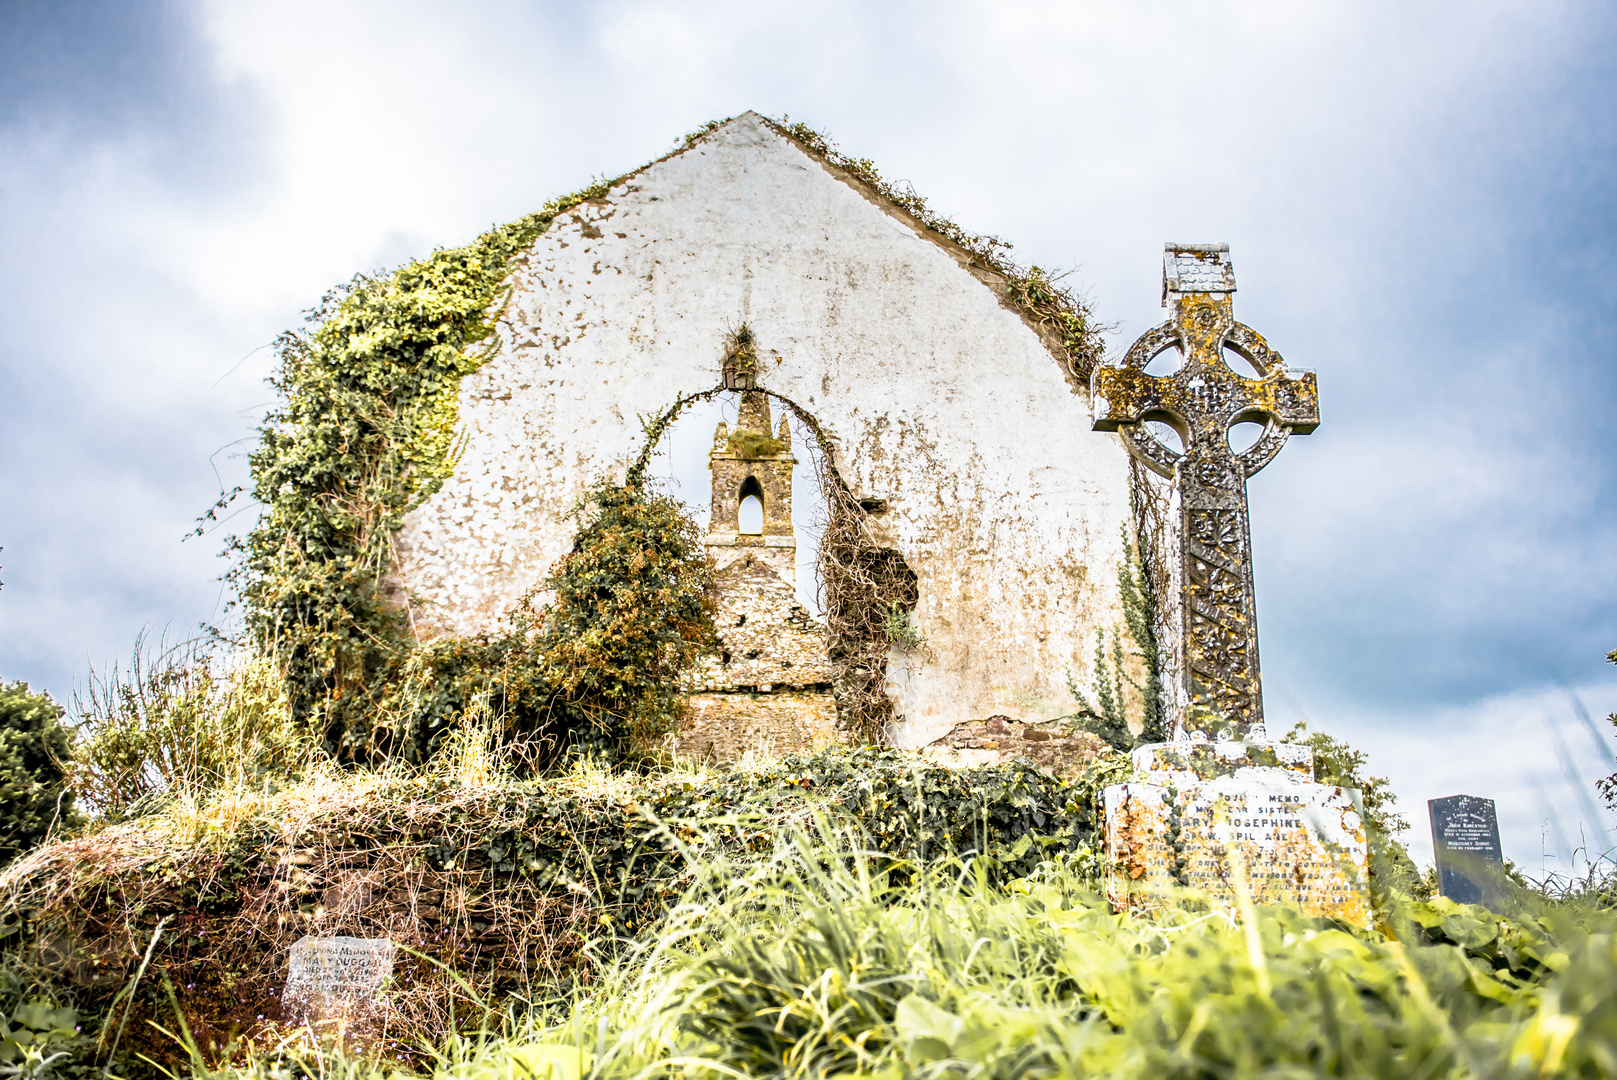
point(1202, 401)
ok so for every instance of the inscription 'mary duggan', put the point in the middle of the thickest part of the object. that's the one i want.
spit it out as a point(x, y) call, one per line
point(337, 979)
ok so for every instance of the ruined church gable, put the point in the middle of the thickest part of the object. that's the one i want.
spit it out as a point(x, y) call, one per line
point(941, 405)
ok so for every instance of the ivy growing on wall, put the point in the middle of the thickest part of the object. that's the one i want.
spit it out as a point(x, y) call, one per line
point(1108, 712)
point(364, 433)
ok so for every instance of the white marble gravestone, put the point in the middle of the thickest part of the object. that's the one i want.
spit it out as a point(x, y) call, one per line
point(337, 979)
point(1210, 815)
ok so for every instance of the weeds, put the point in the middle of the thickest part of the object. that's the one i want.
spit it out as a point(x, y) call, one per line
point(179, 723)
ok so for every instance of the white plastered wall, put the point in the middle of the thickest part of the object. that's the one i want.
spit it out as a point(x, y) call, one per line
point(939, 399)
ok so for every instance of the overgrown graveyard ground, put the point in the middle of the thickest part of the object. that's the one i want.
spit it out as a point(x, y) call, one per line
point(855, 912)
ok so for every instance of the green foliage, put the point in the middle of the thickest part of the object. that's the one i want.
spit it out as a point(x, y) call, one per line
point(901, 628)
point(39, 1039)
point(520, 888)
point(364, 432)
point(597, 671)
point(1108, 715)
point(34, 790)
point(754, 444)
point(1335, 762)
point(180, 723)
point(821, 964)
point(633, 609)
point(1607, 786)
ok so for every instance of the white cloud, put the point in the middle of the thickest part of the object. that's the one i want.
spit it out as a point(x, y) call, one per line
point(1417, 199)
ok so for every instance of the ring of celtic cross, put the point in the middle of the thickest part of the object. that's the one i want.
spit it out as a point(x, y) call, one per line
point(1205, 397)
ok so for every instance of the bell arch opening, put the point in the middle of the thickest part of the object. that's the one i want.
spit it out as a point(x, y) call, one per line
point(844, 579)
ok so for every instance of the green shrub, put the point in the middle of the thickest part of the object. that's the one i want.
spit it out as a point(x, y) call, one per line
point(520, 888)
point(34, 793)
point(183, 722)
point(40, 1037)
point(633, 609)
point(364, 432)
point(599, 669)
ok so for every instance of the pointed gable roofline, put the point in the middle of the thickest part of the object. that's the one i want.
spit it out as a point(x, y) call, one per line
point(1062, 320)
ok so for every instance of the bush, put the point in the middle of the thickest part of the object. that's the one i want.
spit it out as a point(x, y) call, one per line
point(34, 793)
point(183, 722)
point(521, 889)
point(633, 610)
point(598, 670)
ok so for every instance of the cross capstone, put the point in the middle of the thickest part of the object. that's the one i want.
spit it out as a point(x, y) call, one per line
point(1201, 402)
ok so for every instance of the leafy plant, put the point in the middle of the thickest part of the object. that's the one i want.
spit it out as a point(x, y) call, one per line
point(901, 628)
point(1335, 762)
point(633, 609)
point(817, 963)
point(41, 1037)
point(1108, 713)
point(364, 432)
point(38, 1041)
point(1607, 786)
point(182, 721)
point(34, 791)
point(519, 887)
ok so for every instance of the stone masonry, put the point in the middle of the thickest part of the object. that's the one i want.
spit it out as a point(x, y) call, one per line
point(938, 398)
point(767, 688)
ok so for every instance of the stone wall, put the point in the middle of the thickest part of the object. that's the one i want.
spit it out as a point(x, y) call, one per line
point(938, 398)
point(728, 727)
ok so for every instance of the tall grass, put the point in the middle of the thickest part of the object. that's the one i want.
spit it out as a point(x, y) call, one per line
point(182, 722)
point(813, 965)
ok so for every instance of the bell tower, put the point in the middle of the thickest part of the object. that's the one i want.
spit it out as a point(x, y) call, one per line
point(753, 461)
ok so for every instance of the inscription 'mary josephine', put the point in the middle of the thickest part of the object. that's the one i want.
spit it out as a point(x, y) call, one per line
point(1201, 401)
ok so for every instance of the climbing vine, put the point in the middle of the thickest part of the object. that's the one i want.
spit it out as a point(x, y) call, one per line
point(364, 432)
point(868, 592)
point(1108, 713)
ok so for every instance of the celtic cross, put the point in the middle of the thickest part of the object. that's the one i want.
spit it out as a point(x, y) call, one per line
point(1201, 402)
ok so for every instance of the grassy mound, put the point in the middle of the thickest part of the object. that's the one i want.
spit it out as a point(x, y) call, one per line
point(819, 962)
point(502, 889)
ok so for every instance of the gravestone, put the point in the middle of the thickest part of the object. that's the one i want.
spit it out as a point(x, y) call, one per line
point(1221, 810)
point(337, 980)
point(1202, 401)
point(1218, 816)
point(1465, 846)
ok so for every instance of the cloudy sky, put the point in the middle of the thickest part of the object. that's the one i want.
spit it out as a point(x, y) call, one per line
point(1421, 201)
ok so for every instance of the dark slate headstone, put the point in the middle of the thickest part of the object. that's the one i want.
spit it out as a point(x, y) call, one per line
point(1465, 842)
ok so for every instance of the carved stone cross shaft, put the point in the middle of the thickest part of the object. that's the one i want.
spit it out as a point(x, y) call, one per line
point(1201, 402)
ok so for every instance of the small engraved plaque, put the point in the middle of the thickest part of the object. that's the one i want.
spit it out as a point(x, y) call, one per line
point(336, 979)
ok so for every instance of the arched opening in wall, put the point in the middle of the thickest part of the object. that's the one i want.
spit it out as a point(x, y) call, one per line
point(750, 512)
point(859, 589)
point(680, 464)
